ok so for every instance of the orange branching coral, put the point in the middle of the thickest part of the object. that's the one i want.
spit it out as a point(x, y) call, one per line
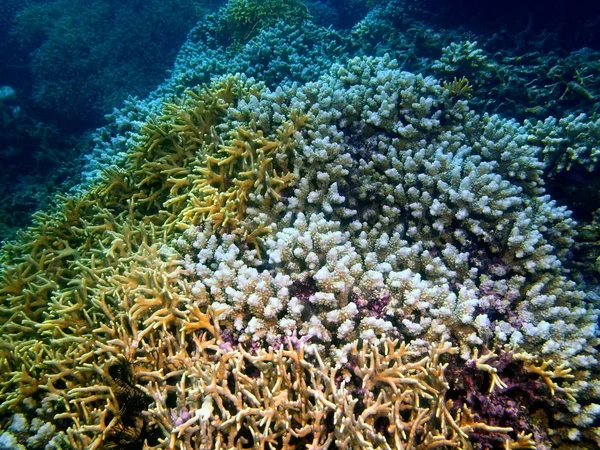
point(547, 374)
point(197, 392)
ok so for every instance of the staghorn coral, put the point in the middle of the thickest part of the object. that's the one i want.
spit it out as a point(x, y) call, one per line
point(567, 143)
point(290, 398)
point(459, 87)
point(193, 378)
point(191, 170)
point(240, 20)
point(206, 394)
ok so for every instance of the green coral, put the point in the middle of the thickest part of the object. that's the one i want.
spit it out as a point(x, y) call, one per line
point(241, 20)
point(529, 85)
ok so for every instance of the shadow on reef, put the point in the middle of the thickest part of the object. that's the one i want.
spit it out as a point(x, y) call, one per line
point(579, 190)
point(38, 159)
point(131, 430)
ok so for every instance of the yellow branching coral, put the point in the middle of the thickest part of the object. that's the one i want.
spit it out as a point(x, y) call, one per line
point(233, 173)
point(523, 441)
point(548, 375)
point(223, 397)
point(185, 171)
point(481, 364)
point(243, 19)
point(459, 87)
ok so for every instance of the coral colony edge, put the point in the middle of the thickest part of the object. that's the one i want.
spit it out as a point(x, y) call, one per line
point(358, 260)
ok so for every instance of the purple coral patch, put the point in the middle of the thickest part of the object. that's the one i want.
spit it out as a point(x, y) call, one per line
point(514, 406)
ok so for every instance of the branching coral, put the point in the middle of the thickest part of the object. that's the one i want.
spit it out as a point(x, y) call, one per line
point(60, 286)
point(188, 171)
point(243, 19)
point(571, 142)
point(218, 281)
point(199, 393)
point(93, 257)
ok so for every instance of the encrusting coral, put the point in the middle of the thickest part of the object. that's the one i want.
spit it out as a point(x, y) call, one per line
point(247, 277)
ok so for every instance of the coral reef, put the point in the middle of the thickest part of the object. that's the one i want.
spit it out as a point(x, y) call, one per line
point(277, 44)
point(247, 275)
point(277, 56)
point(349, 258)
point(532, 84)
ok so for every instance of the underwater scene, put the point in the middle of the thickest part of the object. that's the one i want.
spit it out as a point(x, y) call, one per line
point(299, 224)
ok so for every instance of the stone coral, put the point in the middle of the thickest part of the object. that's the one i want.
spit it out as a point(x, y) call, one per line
point(569, 142)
